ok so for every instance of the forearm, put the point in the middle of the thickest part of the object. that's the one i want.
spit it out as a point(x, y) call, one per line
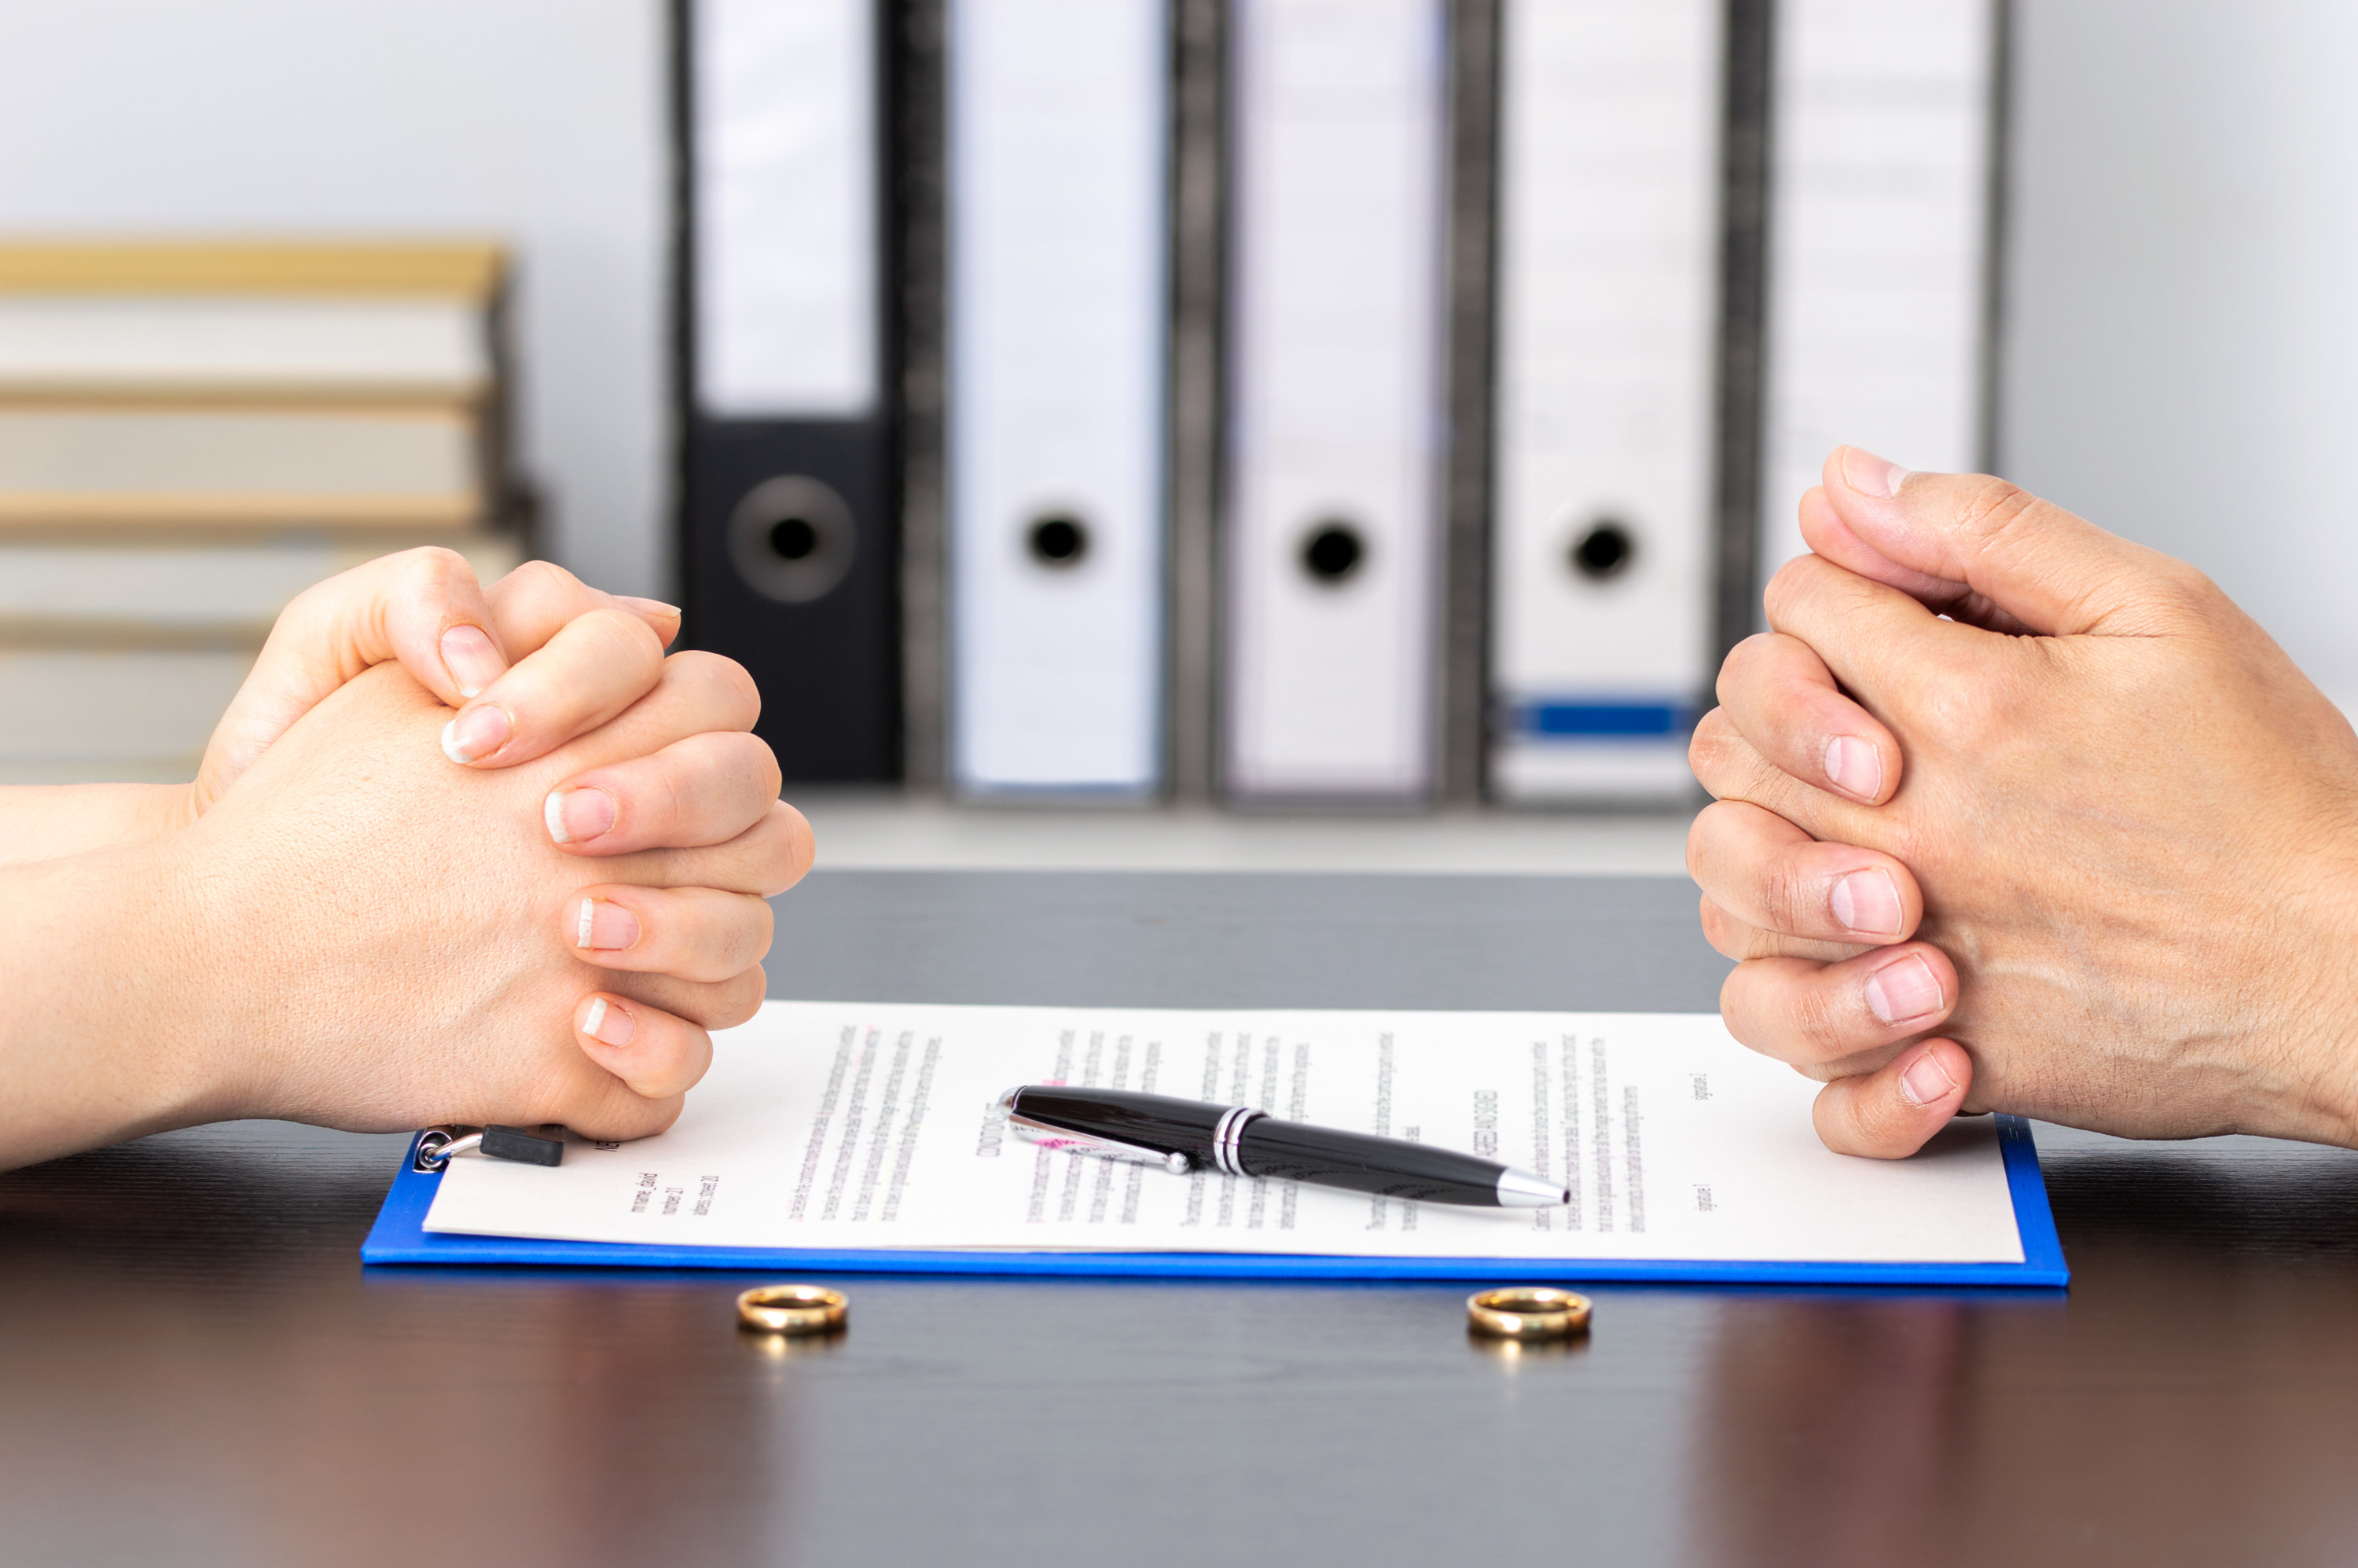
point(102, 1010)
point(44, 822)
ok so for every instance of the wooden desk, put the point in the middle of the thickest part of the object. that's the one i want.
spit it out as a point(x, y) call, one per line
point(195, 1370)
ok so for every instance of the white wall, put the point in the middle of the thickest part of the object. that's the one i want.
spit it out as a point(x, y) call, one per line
point(537, 122)
point(2182, 344)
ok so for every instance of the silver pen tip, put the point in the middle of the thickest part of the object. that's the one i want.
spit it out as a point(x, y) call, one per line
point(1520, 1189)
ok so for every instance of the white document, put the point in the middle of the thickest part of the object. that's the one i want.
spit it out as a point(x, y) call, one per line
point(1879, 242)
point(785, 247)
point(1058, 313)
point(1603, 559)
point(1336, 398)
point(850, 1125)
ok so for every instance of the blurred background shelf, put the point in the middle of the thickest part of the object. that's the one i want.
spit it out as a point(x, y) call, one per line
point(2171, 326)
point(118, 658)
point(191, 434)
point(890, 830)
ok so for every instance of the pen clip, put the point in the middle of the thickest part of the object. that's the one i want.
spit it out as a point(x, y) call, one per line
point(436, 1146)
point(1050, 1136)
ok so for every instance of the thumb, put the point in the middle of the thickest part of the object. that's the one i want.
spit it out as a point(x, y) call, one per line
point(422, 607)
point(1983, 551)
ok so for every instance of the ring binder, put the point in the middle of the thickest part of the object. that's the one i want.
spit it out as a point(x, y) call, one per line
point(1602, 572)
point(1881, 243)
point(1335, 429)
point(1057, 361)
point(787, 481)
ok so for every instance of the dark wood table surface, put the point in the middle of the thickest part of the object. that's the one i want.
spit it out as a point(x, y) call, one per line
point(194, 1368)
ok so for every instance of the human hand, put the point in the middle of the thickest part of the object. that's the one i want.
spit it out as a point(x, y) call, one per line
point(535, 660)
point(579, 656)
point(383, 940)
point(2087, 849)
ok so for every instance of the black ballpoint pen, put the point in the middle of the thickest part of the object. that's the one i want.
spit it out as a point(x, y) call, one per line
point(1185, 1134)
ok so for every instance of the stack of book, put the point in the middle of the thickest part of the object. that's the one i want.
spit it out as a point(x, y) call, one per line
point(190, 435)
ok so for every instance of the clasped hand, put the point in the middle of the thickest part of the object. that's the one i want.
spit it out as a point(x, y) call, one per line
point(372, 912)
point(2012, 815)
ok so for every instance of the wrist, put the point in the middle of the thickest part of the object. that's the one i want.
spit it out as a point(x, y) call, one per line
point(102, 1035)
point(46, 822)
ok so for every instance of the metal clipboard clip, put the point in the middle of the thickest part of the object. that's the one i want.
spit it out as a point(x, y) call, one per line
point(437, 1146)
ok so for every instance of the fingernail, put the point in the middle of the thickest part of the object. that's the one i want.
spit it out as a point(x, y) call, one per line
point(1899, 992)
point(478, 732)
point(602, 926)
point(611, 1025)
point(471, 659)
point(1871, 475)
point(1855, 766)
point(657, 605)
point(578, 816)
point(1869, 902)
point(1926, 1082)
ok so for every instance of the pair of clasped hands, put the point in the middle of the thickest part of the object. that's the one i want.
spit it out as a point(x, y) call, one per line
point(453, 853)
point(2012, 815)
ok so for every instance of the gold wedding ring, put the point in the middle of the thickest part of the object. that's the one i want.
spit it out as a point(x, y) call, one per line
point(791, 1309)
point(1527, 1311)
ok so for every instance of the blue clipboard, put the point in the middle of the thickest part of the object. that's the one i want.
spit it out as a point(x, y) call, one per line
point(400, 1236)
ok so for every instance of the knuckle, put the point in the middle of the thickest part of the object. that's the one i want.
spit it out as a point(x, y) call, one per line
point(1844, 1124)
point(539, 581)
point(2190, 592)
point(760, 929)
point(1989, 510)
point(1736, 669)
point(1785, 589)
point(665, 802)
point(721, 676)
point(765, 764)
point(1788, 897)
point(649, 1116)
point(1729, 769)
point(799, 843)
point(628, 636)
point(739, 999)
point(1971, 707)
point(431, 573)
point(1711, 750)
point(1729, 937)
point(1816, 1016)
point(733, 936)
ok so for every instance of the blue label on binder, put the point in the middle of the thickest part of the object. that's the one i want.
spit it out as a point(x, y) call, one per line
point(1602, 720)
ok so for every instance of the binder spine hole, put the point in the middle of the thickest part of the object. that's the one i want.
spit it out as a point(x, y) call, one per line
point(1333, 553)
point(1058, 541)
point(794, 539)
point(1604, 551)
